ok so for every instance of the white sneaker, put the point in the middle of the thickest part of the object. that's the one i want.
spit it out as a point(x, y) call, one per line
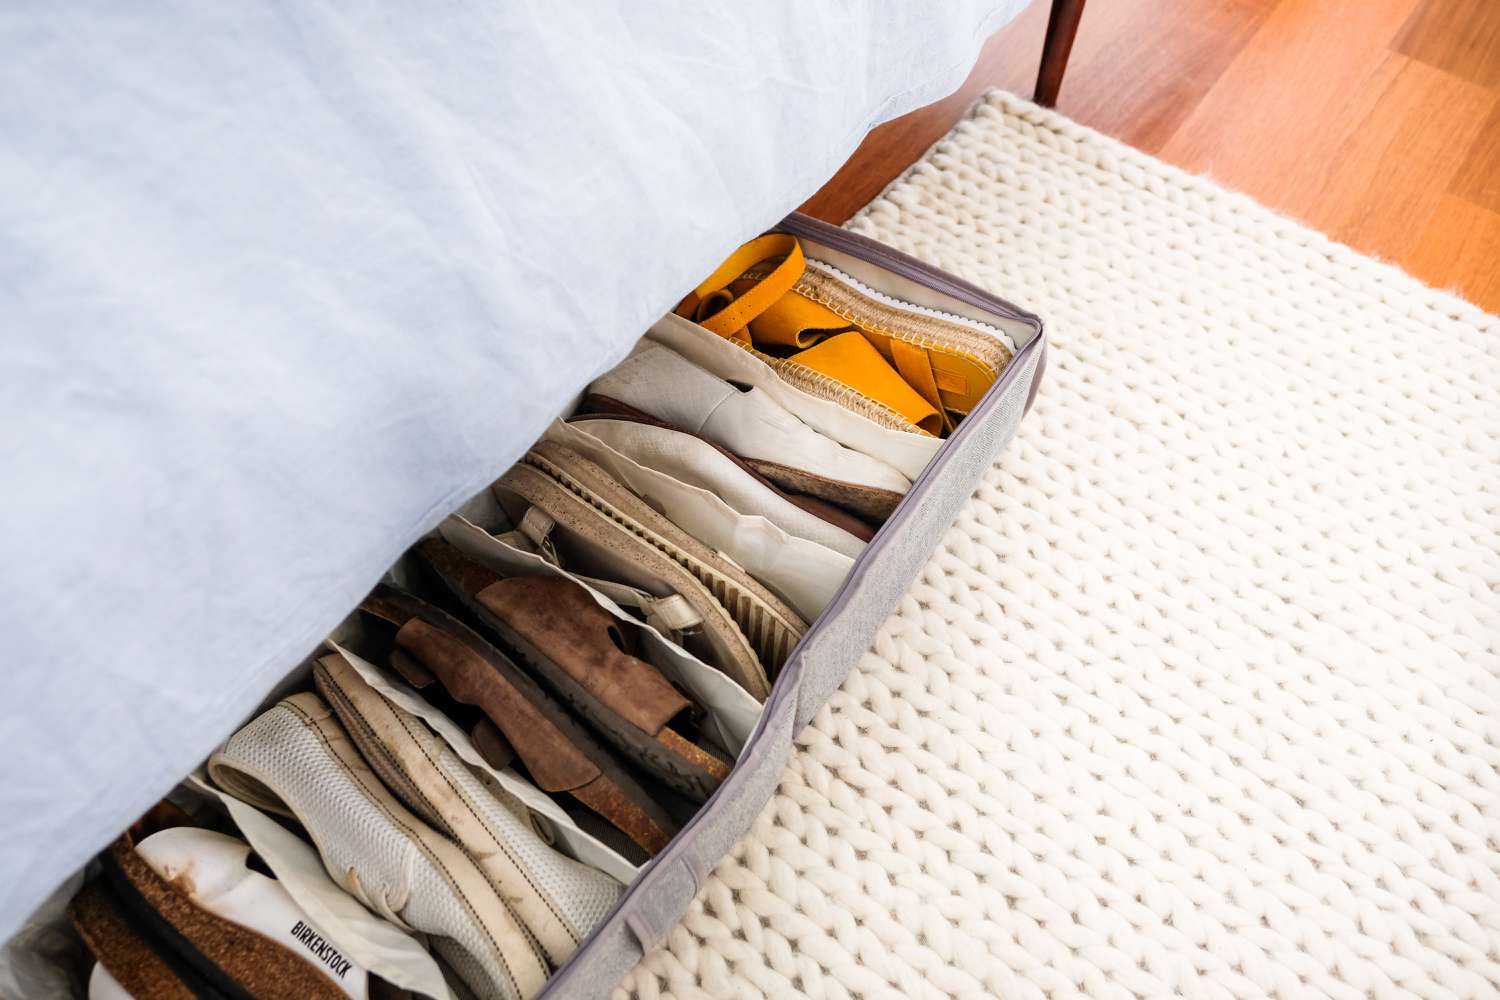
point(295, 759)
point(558, 900)
point(657, 380)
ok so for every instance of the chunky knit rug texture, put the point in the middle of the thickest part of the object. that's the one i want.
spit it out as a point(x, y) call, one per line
point(1200, 696)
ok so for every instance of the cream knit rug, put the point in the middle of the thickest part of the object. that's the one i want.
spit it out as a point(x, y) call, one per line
point(1201, 696)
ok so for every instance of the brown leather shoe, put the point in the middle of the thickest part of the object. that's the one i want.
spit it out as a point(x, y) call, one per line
point(576, 648)
point(561, 756)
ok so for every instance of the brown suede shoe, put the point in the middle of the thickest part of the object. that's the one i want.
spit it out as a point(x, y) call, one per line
point(561, 756)
point(576, 648)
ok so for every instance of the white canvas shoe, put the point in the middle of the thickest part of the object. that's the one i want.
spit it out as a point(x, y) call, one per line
point(657, 380)
point(558, 900)
point(296, 759)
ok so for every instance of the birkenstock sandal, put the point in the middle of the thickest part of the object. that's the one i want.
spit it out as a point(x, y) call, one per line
point(750, 631)
point(659, 445)
point(575, 648)
point(129, 963)
point(657, 380)
point(556, 899)
point(183, 916)
point(560, 755)
point(296, 760)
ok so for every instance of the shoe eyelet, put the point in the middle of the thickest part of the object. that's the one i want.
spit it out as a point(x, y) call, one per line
point(543, 828)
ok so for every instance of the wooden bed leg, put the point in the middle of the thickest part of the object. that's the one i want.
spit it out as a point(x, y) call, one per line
point(1062, 25)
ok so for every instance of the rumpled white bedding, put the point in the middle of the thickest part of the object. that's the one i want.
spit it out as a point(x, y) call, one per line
point(282, 285)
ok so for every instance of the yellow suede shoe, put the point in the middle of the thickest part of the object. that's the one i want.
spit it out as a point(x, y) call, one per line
point(900, 364)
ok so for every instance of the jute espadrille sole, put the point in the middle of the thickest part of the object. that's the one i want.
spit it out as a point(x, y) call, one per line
point(772, 627)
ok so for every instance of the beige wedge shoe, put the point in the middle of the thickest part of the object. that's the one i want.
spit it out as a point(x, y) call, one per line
point(604, 530)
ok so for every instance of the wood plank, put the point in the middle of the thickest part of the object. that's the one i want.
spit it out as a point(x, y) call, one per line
point(1140, 67)
point(1274, 120)
point(1459, 249)
point(1461, 37)
point(1478, 177)
point(1385, 179)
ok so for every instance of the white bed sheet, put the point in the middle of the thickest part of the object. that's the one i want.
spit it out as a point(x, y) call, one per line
point(280, 286)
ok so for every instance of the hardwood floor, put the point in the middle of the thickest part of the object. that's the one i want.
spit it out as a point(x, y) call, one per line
point(1376, 121)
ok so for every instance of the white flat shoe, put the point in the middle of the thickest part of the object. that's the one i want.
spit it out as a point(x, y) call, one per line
point(556, 899)
point(692, 460)
point(661, 382)
point(296, 759)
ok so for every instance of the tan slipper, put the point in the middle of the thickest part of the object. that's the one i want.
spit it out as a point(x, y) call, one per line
point(435, 650)
point(297, 760)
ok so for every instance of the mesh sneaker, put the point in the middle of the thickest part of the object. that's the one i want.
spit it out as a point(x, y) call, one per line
point(296, 759)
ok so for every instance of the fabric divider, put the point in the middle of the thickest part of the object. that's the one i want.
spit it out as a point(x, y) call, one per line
point(909, 453)
point(731, 712)
point(804, 573)
point(44, 957)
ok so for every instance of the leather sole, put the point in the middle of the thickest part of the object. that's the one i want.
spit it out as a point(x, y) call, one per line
point(670, 757)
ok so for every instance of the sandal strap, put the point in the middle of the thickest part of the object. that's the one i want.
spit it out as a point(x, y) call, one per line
point(766, 311)
point(716, 309)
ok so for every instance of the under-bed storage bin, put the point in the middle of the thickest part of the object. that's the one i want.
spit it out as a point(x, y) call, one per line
point(942, 470)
